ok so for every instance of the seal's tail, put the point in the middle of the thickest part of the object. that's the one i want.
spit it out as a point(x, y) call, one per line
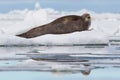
point(31, 33)
point(24, 35)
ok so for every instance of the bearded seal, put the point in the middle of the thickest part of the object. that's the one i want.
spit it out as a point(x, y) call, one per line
point(62, 25)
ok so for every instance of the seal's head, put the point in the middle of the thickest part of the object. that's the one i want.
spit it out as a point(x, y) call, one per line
point(86, 17)
point(86, 20)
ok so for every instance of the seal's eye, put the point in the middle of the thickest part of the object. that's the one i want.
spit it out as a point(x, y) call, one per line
point(88, 17)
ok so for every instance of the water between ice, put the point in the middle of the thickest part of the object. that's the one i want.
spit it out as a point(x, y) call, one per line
point(28, 69)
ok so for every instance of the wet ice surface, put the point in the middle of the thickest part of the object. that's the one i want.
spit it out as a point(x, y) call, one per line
point(98, 63)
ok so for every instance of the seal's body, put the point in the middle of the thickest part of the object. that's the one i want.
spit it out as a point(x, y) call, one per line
point(63, 25)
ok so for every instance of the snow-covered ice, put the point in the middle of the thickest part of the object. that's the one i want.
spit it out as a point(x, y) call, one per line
point(17, 21)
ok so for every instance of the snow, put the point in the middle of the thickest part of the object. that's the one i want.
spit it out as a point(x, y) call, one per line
point(70, 39)
point(18, 21)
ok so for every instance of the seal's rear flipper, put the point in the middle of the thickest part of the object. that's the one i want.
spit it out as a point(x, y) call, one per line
point(23, 35)
point(28, 34)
